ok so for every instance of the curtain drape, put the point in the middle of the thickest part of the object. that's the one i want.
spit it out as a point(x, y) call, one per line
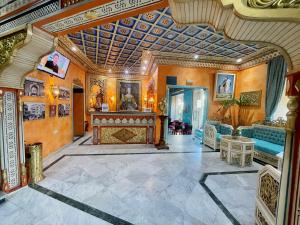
point(277, 69)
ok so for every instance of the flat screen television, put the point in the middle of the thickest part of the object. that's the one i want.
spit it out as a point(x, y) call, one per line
point(55, 64)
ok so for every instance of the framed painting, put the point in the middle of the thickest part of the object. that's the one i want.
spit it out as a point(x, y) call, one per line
point(251, 98)
point(34, 87)
point(33, 111)
point(63, 110)
point(129, 95)
point(64, 93)
point(224, 86)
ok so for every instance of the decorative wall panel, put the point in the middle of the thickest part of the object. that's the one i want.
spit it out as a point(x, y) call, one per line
point(121, 135)
point(10, 144)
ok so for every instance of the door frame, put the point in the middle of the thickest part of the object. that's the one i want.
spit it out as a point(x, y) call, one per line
point(84, 116)
point(205, 89)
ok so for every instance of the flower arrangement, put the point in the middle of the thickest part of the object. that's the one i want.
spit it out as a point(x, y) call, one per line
point(162, 106)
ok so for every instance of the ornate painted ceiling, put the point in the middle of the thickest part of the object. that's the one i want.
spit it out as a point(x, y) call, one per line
point(119, 45)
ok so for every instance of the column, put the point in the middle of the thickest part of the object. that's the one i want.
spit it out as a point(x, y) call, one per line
point(288, 208)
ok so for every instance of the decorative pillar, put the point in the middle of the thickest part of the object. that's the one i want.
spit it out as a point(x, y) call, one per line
point(10, 151)
point(21, 140)
point(288, 208)
point(162, 143)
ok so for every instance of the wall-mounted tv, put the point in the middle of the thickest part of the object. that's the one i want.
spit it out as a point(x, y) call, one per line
point(55, 64)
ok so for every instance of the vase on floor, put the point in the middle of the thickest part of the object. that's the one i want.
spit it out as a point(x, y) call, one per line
point(162, 143)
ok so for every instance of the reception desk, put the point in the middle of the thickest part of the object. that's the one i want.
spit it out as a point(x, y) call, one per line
point(123, 127)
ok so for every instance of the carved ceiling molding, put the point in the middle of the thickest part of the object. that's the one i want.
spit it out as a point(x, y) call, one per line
point(273, 4)
point(33, 14)
point(100, 12)
point(24, 57)
point(8, 44)
point(121, 75)
point(185, 63)
point(212, 64)
point(77, 55)
point(260, 60)
point(241, 23)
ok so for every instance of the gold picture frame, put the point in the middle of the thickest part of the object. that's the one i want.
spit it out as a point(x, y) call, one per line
point(251, 98)
point(224, 86)
point(129, 95)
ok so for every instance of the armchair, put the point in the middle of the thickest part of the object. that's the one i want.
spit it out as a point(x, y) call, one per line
point(213, 132)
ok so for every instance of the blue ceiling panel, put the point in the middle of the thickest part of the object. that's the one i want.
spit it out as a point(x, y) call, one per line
point(121, 43)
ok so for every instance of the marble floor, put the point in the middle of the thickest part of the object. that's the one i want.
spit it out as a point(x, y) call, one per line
point(136, 184)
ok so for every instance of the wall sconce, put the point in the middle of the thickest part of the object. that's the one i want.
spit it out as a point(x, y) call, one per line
point(54, 91)
point(151, 102)
point(112, 99)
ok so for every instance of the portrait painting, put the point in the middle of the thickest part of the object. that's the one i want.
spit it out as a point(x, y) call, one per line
point(34, 87)
point(96, 93)
point(128, 95)
point(224, 86)
point(33, 111)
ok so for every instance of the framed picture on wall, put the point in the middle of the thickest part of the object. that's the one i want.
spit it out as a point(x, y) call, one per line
point(129, 95)
point(52, 110)
point(33, 111)
point(63, 110)
point(224, 86)
point(64, 93)
point(251, 98)
point(34, 87)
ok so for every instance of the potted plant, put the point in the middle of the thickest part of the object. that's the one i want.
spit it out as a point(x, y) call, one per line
point(238, 115)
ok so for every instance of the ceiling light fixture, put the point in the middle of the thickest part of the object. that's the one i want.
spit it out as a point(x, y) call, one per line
point(109, 70)
point(196, 56)
point(239, 60)
point(74, 49)
point(126, 71)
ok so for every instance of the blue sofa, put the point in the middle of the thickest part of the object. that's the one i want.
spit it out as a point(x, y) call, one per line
point(269, 141)
point(213, 131)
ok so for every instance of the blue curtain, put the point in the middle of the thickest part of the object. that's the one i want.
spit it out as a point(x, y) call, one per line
point(277, 69)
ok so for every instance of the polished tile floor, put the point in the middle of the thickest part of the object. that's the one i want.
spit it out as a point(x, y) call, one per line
point(136, 184)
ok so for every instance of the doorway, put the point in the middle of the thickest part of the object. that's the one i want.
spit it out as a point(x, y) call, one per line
point(187, 111)
point(78, 112)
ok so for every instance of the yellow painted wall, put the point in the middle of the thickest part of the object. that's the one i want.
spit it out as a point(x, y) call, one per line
point(53, 132)
point(246, 80)
point(252, 79)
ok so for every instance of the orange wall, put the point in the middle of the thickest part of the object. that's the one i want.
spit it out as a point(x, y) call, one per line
point(247, 80)
point(204, 77)
point(252, 79)
point(111, 91)
point(54, 132)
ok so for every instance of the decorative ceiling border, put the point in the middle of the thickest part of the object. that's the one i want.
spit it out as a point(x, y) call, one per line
point(28, 16)
point(186, 63)
point(246, 65)
point(100, 12)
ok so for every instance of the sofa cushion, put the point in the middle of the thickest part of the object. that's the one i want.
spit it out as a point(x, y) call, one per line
point(247, 132)
point(273, 135)
point(218, 137)
point(268, 147)
point(225, 130)
point(198, 133)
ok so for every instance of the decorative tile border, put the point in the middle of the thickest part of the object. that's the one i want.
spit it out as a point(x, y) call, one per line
point(115, 220)
point(81, 206)
point(214, 197)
